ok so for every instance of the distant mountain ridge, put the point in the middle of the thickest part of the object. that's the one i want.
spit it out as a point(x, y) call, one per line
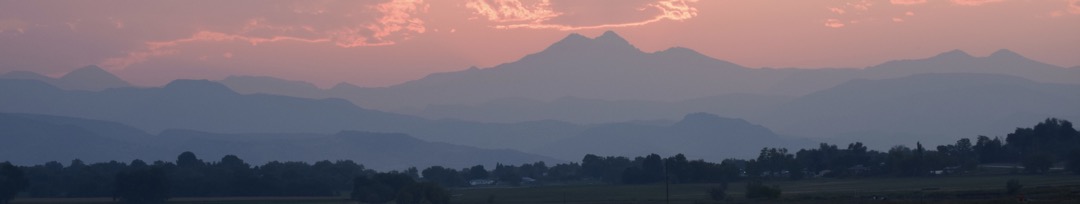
point(596, 111)
point(90, 78)
point(599, 83)
point(210, 106)
point(697, 135)
point(936, 108)
point(609, 67)
point(271, 85)
point(36, 139)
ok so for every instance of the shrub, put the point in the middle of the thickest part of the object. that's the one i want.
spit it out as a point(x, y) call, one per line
point(755, 189)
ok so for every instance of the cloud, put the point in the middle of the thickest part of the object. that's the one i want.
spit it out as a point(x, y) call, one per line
point(569, 15)
point(837, 10)
point(862, 5)
point(133, 58)
point(345, 24)
point(397, 18)
point(851, 12)
point(505, 11)
point(1071, 7)
point(907, 2)
point(7, 25)
point(974, 2)
point(1074, 6)
point(834, 23)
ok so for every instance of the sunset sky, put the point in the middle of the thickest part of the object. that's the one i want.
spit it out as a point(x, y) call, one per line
point(385, 42)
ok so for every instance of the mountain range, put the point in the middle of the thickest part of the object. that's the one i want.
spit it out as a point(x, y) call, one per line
point(608, 67)
point(579, 96)
point(90, 78)
point(36, 139)
point(209, 106)
point(206, 106)
point(697, 135)
point(935, 108)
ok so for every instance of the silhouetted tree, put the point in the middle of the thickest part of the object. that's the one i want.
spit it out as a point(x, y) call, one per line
point(188, 160)
point(12, 181)
point(1054, 136)
point(506, 173)
point(677, 168)
point(607, 169)
point(534, 170)
point(1038, 163)
point(564, 172)
point(989, 150)
point(141, 186)
point(477, 172)
point(228, 177)
point(919, 157)
point(426, 192)
point(381, 187)
point(960, 154)
point(652, 169)
point(443, 176)
point(775, 162)
point(1073, 163)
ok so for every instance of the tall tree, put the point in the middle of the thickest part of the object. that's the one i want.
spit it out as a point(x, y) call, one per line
point(477, 172)
point(142, 186)
point(381, 187)
point(1054, 136)
point(12, 181)
point(989, 150)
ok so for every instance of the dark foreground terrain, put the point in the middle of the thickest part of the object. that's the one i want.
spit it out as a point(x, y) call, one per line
point(952, 189)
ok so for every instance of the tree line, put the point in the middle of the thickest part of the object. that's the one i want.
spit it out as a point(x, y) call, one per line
point(1037, 148)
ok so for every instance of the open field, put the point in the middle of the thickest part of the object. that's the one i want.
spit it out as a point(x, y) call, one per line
point(1052, 188)
point(228, 200)
point(985, 188)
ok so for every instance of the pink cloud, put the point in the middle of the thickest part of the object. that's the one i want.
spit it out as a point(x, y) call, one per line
point(974, 2)
point(834, 23)
point(394, 20)
point(12, 25)
point(513, 14)
point(837, 10)
point(503, 11)
point(862, 5)
point(397, 18)
point(133, 58)
point(907, 2)
point(1074, 6)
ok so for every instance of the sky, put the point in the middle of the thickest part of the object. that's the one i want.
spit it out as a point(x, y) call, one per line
point(387, 42)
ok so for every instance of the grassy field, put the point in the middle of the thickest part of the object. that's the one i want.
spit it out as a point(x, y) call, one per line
point(981, 189)
point(229, 200)
point(977, 188)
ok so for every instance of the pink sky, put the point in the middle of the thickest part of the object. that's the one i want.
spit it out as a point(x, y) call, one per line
point(385, 42)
